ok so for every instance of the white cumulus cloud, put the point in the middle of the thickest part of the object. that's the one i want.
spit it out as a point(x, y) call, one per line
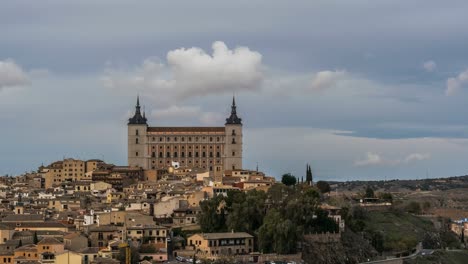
point(417, 157)
point(429, 66)
point(370, 159)
point(183, 113)
point(455, 83)
point(374, 159)
point(11, 74)
point(326, 79)
point(191, 72)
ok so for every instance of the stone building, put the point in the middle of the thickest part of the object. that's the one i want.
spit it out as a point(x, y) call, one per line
point(221, 244)
point(215, 149)
point(67, 170)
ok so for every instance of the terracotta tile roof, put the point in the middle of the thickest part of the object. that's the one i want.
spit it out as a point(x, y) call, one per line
point(49, 241)
point(186, 129)
point(227, 235)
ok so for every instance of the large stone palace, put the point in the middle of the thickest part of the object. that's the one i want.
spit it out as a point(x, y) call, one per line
point(215, 149)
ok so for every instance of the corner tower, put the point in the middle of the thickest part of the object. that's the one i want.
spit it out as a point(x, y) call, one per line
point(233, 147)
point(137, 128)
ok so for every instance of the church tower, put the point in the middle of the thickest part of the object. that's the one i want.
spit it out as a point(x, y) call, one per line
point(137, 128)
point(233, 143)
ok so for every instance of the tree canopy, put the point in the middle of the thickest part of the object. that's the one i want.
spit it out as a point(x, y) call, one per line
point(277, 218)
point(288, 179)
point(323, 186)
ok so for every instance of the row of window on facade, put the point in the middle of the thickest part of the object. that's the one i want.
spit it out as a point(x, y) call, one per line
point(189, 154)
point(137, 141)
point(182, 139)
point(183, 147)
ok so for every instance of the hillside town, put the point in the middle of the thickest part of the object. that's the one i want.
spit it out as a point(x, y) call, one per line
point(184, 197)
point(89, 210)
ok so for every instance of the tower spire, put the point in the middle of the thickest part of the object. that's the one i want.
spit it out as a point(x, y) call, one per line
point(137, 118)
point(234, 119)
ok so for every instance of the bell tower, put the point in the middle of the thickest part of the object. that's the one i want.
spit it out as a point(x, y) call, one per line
point(137, 128)
point(233, 143)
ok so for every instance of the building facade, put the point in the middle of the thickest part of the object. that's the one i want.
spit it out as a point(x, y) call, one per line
point(212, 148)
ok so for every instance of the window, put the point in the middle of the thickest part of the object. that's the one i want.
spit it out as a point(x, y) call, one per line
point(211, 139)
point(168, 155)
point(175, 139)
point(168, 139)
point(175, 154)
point(233, 141)
point(153, 154)
point(136, 140)
point(182, 154)
point(233, 153)
point(217, 139)
point(189, 154)
point(196, 154)
point(204, 154)
point(211, 154)
point(233, 132)
point(218, 154)
point(136, 132)
point(136, 153)
point(190, 139)
point(160, 154)
point(160, 139)
point(182, 138)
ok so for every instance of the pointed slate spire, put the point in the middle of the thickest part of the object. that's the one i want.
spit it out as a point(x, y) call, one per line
point(233, 119)
point(137, 118)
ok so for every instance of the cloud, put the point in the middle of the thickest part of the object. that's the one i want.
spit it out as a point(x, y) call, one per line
point(182, 113)
point(370, 159)
point(193, 72)
point(326, 79)
point(374, 159)
point(455, 83)
point(429, 66)
point(417, 157)
point(12, 75)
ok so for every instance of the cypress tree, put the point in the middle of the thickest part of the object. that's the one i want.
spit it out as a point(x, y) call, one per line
point(35, 238)
point(311, 178)
point(309, 175)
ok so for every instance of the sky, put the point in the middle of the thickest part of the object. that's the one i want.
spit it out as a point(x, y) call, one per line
point(359, 89)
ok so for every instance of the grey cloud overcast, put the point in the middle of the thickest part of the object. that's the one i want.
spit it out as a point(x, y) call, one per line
point(379, 70)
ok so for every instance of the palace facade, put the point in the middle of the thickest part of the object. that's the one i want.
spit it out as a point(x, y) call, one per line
point(215, 149)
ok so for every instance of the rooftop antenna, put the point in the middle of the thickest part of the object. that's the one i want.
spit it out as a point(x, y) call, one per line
point(257, 166)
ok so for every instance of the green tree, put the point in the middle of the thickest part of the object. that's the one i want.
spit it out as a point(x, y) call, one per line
point(323, 186)
point(414, 208)
point(309, 179)
point(246, 214)
point(288, 179)
point(378, 241)
point(212, 217)
point(277, 234)
point(386, 196)
point(369, 193)
point(35, 238)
